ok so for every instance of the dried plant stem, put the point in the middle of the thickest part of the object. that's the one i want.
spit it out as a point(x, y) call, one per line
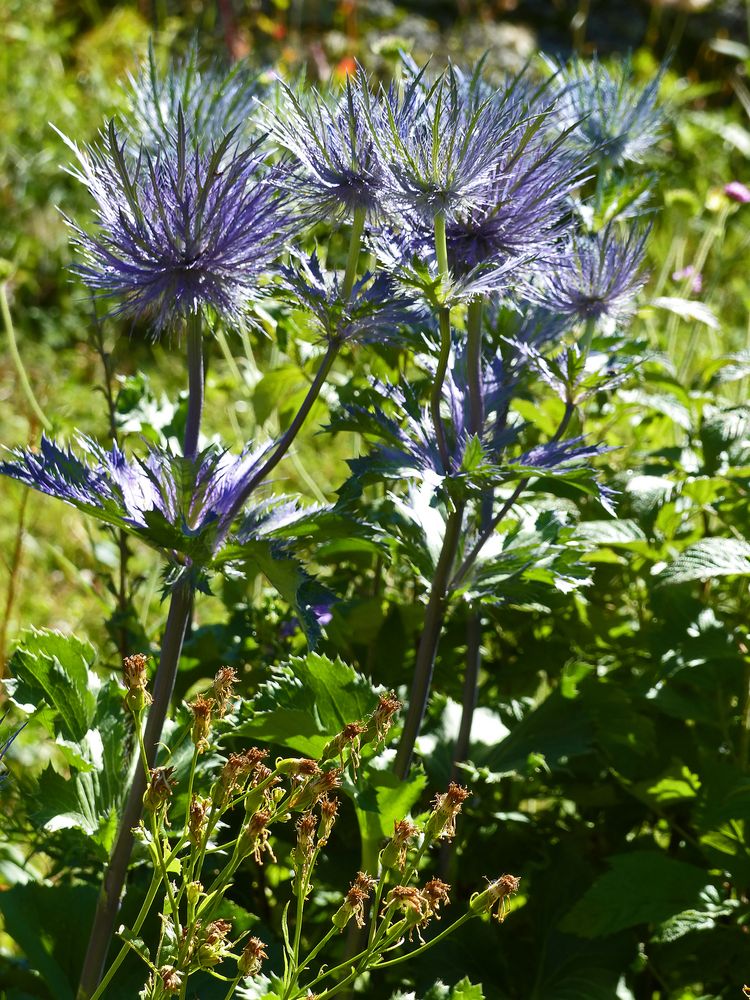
point(428, 643)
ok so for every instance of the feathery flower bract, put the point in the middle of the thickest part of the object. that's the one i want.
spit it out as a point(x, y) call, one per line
point(172, 503)
point(214, 101)
point(181, 232)
point(373, 311)
point(617, 119)
point(595, 277)
point(335, 171)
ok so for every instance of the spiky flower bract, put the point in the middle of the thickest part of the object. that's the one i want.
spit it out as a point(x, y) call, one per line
point(335, 171)
point(373, 311)
point(170, 502)
point(214, 101)
point(617, 119)
point(179, 233)
point(595, 277)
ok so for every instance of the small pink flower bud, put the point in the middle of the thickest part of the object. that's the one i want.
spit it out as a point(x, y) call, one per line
point(737, 191)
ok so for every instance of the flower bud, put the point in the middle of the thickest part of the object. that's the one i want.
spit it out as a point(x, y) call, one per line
point(494, 899)
point(737, 191)
point(306, 795)
point(134, 669)
point(297, 767)
point(303, 852)
point(354, 901)
point(254, 837)
point(197, 819)
point(193, 891)
point(201, 709)
point(350, 738)
point(159, 790)
point(252, 957)
point(381, 720)
point(213, 946)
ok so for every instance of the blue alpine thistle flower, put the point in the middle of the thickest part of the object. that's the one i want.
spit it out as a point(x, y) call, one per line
point(372, 312)
point(616, 119)
point(172, 503)
point(595, 277)
point(335, 171)
point(182, 232)
point(214, 101)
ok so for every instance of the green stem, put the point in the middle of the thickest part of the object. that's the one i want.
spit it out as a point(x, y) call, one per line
point(18, 363)
point(425, 947)
point(444, 322)
point(355, 246)
point(232, 987)
point(195, 385)
point(165, 874)
point(143, 913)
point(191, 779)
point(428, 643)
point(474, 364)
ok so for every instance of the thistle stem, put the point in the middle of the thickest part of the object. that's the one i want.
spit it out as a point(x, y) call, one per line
point(355, 246)
point(195, 385)
point(444, 322)
point(15, 354)
point(292, 430)
point(471, 689)
point(428, 643)
point(474, 364)
point(114, 877)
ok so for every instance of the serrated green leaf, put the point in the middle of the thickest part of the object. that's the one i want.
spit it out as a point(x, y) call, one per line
point(642, 887)
point(708, 558)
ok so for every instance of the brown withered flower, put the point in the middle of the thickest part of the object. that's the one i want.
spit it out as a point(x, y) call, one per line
point(380, 722)
point(252, 957)
point(223, 689)
point(305, 796)
point(354, 901)
point(197, 819)
point(171, 979)
point(494, 900)
point(213, 945)
point(436, 893)
point(254, 837)
point(350, 738)
point(159, 790)
point(135, 674)
point(201, 709)
point(394, 852)
point(442, 822)
point(329, 809)
point(297, 767)
point(306, 827)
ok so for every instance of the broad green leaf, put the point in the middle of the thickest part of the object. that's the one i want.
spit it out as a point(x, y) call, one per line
point(306, 702)
point(708, 558)
point(642, 887)
point(56, 668)
point(380, 799)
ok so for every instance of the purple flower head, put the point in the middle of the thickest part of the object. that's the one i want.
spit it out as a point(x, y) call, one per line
point(594, 278)
point(441, 144)
point(373, 311)
point(737, 191)
point(610, 115)
point(214, 101)
point(181, 232)
point(173, 503)
point(335, 169)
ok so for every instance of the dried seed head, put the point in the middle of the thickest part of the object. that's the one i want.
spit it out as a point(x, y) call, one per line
point(442, 822)
point(328, 811)
point(135, 672)
point(494, 899)
point(159, 790)
point(223, 689)
point(171, 979)
point(381, 720)
point(306, 826)
point(252, 957)
point(307, 794)
point(297, 767)
point(394, 852)
point(354, 901)
point(201, 709)
point(436, 893)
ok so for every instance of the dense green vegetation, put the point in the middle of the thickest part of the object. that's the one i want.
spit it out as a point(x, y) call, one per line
point(610, 756)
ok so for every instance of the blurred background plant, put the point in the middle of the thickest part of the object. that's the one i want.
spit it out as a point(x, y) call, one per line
point(610, 753)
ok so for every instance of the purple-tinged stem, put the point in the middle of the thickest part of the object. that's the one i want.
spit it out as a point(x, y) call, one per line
point(114, 877)
point(195, 385)
point(428, 643)
point(471, 689)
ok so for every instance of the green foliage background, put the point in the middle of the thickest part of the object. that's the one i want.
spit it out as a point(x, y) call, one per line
point(611, 752)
